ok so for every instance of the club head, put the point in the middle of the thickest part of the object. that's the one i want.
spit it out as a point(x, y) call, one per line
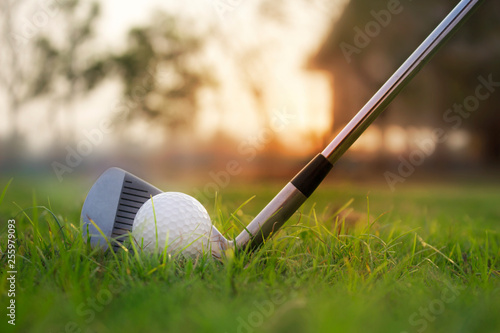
point(112, 203)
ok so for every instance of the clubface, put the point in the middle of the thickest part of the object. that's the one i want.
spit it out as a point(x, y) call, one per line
point(112, 204)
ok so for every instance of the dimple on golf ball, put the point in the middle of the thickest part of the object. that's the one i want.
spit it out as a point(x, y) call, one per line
point(182, 225)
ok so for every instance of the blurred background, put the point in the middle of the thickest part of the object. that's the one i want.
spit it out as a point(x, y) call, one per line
point(203, 91)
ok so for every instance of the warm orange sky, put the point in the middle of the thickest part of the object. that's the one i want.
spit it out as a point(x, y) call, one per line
point(283, 50)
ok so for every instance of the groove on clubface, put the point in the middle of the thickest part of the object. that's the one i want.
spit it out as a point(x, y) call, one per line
point(132, 197)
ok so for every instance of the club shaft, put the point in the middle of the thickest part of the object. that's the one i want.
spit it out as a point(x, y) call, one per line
point(384, 96)
point(293, 195)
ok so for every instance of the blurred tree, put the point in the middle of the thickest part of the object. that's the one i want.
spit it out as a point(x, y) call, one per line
point(162, 73)
point(40, 61)
point(373, 38)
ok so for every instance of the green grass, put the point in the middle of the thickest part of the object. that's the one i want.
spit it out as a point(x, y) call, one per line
point(423, 259)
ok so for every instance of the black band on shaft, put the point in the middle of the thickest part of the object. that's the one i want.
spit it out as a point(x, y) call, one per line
point(308, 179)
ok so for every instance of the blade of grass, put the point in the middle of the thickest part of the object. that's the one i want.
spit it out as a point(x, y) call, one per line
point(2, 196)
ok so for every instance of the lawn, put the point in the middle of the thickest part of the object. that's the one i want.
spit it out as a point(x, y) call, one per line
point(356, 258)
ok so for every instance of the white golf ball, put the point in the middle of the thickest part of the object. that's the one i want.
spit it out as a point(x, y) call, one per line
point(182, 224)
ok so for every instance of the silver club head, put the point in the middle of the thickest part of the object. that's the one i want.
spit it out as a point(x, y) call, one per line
point(112, 203)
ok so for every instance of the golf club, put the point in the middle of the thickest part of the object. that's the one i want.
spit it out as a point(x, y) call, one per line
point(115, 198)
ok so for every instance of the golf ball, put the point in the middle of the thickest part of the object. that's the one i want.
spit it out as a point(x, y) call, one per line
point(182, 225)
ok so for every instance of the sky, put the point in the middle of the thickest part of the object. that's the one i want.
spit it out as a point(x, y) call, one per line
point(283, 50)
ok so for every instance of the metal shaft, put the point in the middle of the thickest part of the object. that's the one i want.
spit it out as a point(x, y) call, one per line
point(384, 96)
point(293, 195)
